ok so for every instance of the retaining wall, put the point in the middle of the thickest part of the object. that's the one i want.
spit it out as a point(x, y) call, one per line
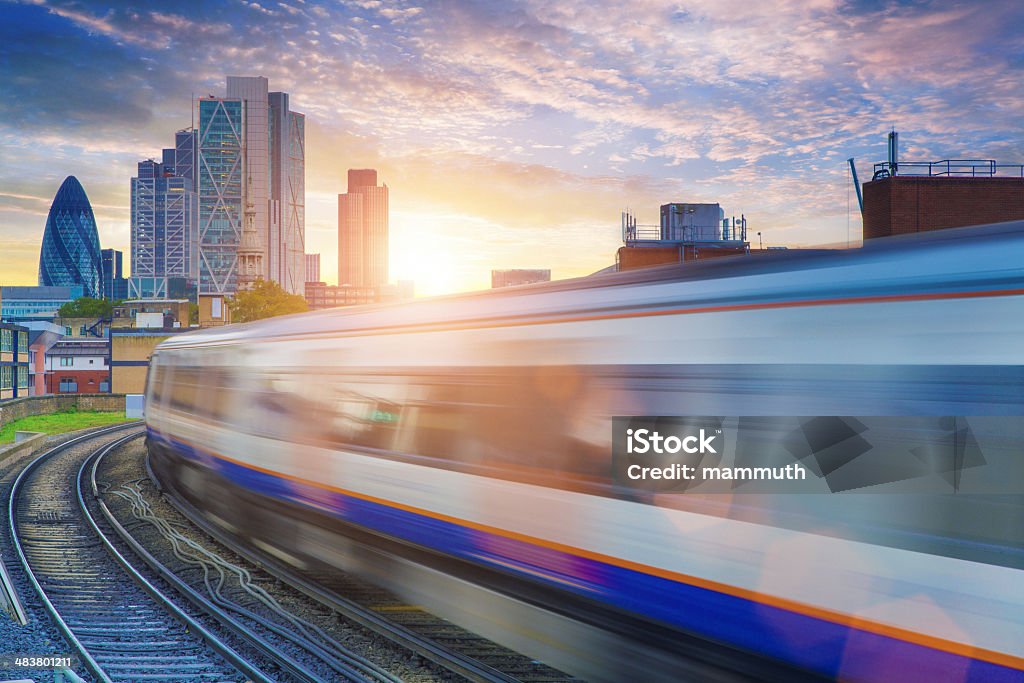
point(17, 408)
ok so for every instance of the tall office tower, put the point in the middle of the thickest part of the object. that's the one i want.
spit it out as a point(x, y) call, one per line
point(251, 150)
point(256, 150)
point(287, 242)
point(164, 210)
point(313, 268)
point(70, 253)
point(114, 286)
point(363, 231)
point(220, 185)
point(185, 155)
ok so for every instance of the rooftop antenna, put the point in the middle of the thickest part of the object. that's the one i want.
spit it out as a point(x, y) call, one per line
point(894, 152)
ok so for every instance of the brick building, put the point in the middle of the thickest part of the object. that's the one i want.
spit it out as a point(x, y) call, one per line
point(687, 232)
point(78, 366)
point(904, 204)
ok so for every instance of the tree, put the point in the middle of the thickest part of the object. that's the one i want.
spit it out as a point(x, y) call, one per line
point(88, 307)
point(266, 299)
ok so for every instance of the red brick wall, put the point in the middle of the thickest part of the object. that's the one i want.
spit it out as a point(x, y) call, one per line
point(643, 257)
point(54, 377)
point(905, 204)
point(700, 254)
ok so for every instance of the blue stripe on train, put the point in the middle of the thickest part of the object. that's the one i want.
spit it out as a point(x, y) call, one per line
point(816, 644)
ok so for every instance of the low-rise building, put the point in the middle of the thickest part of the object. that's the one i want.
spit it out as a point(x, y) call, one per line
point(42, 337)
point(130, 351)
point(152, 313)
point(78, 366)
point(35, 303)
point(519, 276)
point(14, 376)
point(83, 328)
point(320, 295)
point(687, 232)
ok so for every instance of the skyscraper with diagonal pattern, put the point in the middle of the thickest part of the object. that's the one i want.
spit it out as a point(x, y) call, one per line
point(70, 253)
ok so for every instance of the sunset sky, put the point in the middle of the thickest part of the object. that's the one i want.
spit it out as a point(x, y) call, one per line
point(512, 134)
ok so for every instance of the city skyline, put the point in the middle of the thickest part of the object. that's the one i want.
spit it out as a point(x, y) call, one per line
point(512, 133)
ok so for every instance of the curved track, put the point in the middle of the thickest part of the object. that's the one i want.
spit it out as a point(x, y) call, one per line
point(406, 625)
point(121, 627)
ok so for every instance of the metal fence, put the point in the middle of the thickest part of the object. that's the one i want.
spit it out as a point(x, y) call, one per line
point(961, 168)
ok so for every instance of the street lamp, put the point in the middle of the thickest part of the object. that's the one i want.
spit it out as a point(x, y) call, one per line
point(760, 245)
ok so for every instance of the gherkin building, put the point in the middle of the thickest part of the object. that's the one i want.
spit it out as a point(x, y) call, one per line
point(71, 245)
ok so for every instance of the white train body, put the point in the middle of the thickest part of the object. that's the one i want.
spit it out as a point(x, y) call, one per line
point(470, 436)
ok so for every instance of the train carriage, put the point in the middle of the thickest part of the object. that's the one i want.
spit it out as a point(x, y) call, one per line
point(458, 450)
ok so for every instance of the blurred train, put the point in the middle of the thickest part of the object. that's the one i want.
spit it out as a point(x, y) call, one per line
point(457, 450)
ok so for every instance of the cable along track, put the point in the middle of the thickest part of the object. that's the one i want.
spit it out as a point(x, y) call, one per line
point(121, 627)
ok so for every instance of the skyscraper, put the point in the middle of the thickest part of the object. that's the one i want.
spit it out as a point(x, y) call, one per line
point(70, 253)
point(164, 209)
point(287, 242)
point(363, 231)
point(220, 185)
point(251, 150)
point(312, 267)
point(114, 286)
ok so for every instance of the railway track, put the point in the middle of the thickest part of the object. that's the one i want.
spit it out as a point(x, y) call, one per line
point(120, 626)
point(131, 620)
point(123, 622)
point(461, 653)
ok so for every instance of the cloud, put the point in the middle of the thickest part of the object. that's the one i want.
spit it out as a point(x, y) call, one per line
point(511, 126)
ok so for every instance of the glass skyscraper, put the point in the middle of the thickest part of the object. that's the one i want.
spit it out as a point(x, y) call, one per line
point(220, 183)
point(287, 229)
point(70, 253)
point(164, 210)
point(115, 286)
point(250, 150)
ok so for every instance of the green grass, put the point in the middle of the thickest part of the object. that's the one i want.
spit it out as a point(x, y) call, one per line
point(58, 423)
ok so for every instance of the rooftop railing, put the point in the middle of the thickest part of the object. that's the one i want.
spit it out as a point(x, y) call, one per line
point(960, 168)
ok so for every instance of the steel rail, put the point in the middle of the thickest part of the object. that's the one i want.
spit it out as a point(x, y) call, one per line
point(267, 649)
point(216, 643)
point(88, 653)
point(12, 520)
point(453, 661)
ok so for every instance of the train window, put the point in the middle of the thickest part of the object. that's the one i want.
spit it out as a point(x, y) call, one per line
point(521, 423)
point(156, 379)
point(214, 394)
point(355, 411)
point(274, 406)
point(185, 389)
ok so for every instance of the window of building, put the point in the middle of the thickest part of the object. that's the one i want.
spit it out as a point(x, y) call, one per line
point(6, 340)
point(67, 331)
point(104, 387)
point(6, 378)
point(22, 341)
point(22, 376)
point(66, 361)
point(68, 385)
